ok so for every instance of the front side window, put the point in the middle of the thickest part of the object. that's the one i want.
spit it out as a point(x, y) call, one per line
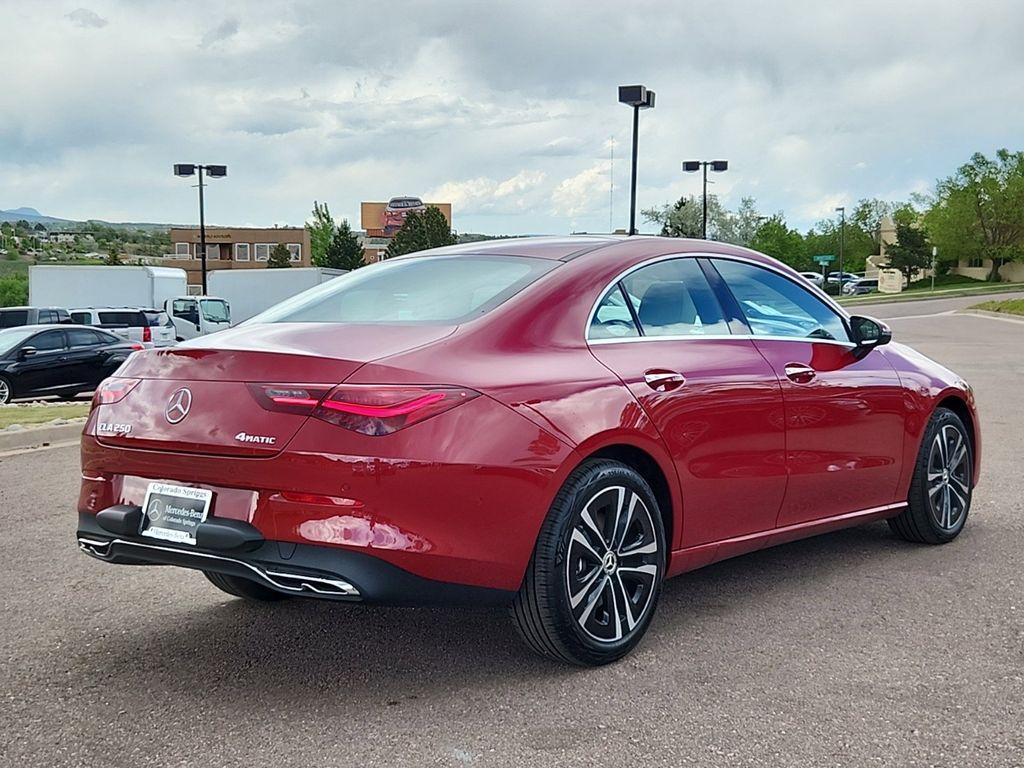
point(673, 298)
point(438, 289)
point(48, 342)
point(776, 306)
point(215, 311)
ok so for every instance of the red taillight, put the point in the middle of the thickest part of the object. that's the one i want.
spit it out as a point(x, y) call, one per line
point(377, 410)
point(147, 333)
point(113, 390)
point(364, 408)
point(138, 347)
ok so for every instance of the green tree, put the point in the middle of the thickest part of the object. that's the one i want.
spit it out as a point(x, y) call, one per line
point(910, 252)
point(857, 244)
point(113, 257)
point(321, 232)
point(13, 290)
point(740, 227)
point(781, 242)
point(421, 230)
point(978, 212)
point(280, 257)
point(344, 251)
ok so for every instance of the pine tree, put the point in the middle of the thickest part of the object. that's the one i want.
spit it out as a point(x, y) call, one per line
point(422, 230)
point(344, 250)
point(280, 257)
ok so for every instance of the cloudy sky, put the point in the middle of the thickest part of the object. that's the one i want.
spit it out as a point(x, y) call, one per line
point(506, 109)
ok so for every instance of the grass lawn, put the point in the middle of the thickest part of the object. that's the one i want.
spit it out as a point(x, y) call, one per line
point(40, 414)
point(1009, 306)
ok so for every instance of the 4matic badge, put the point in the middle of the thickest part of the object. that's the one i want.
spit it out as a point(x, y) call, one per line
point(244, 437)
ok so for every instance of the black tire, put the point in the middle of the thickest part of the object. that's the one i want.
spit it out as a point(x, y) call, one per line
point(6, 390)
point(941, 487)
point(244, 588)
point(585, 602)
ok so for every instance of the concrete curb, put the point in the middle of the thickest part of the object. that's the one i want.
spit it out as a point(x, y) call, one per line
point(35, 437)
point(997, 315)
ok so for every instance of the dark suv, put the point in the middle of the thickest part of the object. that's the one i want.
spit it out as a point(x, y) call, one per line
point(13, 317)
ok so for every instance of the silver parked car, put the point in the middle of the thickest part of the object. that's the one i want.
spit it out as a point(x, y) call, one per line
point(149, 327)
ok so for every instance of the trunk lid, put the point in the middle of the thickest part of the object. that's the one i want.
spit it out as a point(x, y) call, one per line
point(208, 380)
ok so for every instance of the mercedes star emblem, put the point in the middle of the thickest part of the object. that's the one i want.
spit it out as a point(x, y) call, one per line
point(179, 405)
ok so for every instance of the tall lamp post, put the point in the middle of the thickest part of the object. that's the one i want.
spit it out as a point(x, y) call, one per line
point(214, 172)
point(841, 210)
point(638, 97)
point(692, 166)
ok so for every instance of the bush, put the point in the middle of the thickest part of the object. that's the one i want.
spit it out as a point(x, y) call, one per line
point(13, 290)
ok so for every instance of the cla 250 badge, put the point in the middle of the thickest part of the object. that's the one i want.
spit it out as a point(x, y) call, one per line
point(105, 428)
point(243, 437)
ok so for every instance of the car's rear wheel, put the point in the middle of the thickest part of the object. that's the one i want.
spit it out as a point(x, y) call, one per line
point(244, 588)
point(940, 490)
point(593, 582)
point(6, 391)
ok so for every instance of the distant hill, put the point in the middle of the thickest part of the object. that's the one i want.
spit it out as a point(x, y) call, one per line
point(32, 216)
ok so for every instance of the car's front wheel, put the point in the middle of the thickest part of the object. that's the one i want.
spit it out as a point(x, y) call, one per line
point(940, 489)
point(593, 582)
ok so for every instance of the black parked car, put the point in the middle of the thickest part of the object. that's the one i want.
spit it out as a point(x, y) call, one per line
point(44, 360)
point(13, 317)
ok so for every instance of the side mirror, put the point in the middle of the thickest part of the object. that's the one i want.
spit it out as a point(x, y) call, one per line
point(26, 352)
point(869, 333)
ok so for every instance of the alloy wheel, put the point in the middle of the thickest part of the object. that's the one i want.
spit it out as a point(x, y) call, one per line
point(612, 564)
point(949, 477)
point(5, 392)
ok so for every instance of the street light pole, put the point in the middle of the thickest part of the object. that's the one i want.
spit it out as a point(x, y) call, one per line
point(638, 97)
point(202, 228)
point(214, 172)
point(632, 173)
point(842, 243)
point(718, 166)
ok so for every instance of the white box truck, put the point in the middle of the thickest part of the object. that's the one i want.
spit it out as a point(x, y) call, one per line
point(166, 288)
point(250, 291)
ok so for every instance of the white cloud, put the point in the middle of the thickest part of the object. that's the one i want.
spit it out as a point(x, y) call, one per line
point(508, 113)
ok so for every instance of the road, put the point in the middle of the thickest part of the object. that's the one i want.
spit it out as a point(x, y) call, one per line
point(850, 649)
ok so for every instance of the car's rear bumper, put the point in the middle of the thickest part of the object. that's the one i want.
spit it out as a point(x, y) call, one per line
point(299, 570)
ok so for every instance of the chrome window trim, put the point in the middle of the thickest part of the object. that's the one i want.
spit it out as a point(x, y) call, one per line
point(819, 295)
point(721, 337)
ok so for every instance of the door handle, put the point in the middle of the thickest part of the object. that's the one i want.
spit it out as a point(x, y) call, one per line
point(661, 380)
point(799, 373)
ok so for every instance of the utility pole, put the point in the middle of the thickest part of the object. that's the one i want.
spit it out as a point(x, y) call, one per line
point(214, 172)
point(638, 97)
point(842, 243)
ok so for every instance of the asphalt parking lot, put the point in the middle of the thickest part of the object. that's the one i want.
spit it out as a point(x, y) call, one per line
point(849, 649)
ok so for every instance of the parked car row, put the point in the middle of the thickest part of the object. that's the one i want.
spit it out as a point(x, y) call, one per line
point(39, 360)
point(849, 283)
point(148, 327)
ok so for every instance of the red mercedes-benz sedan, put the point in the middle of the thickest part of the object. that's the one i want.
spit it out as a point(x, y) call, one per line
point(553, 424)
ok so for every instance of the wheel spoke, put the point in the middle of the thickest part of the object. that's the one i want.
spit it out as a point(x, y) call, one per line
point(959, 496)
point(940, 442)
point(579, 538)
point(619, 537)
point(575, 600)
point(591, 604)
point(959, 455)
point(644, 549)
point(615, 610)
point(962, 485)
point(935, 489)
point(620, 502)
point(627, 603)
point(589, 521)
point(650, 569)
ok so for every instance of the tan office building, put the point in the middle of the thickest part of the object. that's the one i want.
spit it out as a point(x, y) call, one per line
point(235, 248)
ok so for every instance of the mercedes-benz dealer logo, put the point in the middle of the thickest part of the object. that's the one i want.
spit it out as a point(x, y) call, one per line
point(179, 405)
point(156, 510)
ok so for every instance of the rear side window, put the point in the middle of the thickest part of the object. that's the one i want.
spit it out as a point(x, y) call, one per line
point(438, 290)
point(673, 298)
point(157, 318)
point(82, 318)
point(82, 337)
point(612, 319)
point(13, 318)
point(776, 306)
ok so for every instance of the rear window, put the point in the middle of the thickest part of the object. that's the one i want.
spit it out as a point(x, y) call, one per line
point(13, 318)
point(428, 290)
point(82, 318)
point(157, 318)
point(123, 319)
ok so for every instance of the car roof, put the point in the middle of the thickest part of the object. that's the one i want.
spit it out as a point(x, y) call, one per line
point(572, 247)
point(37, 327)
point(23, 308)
